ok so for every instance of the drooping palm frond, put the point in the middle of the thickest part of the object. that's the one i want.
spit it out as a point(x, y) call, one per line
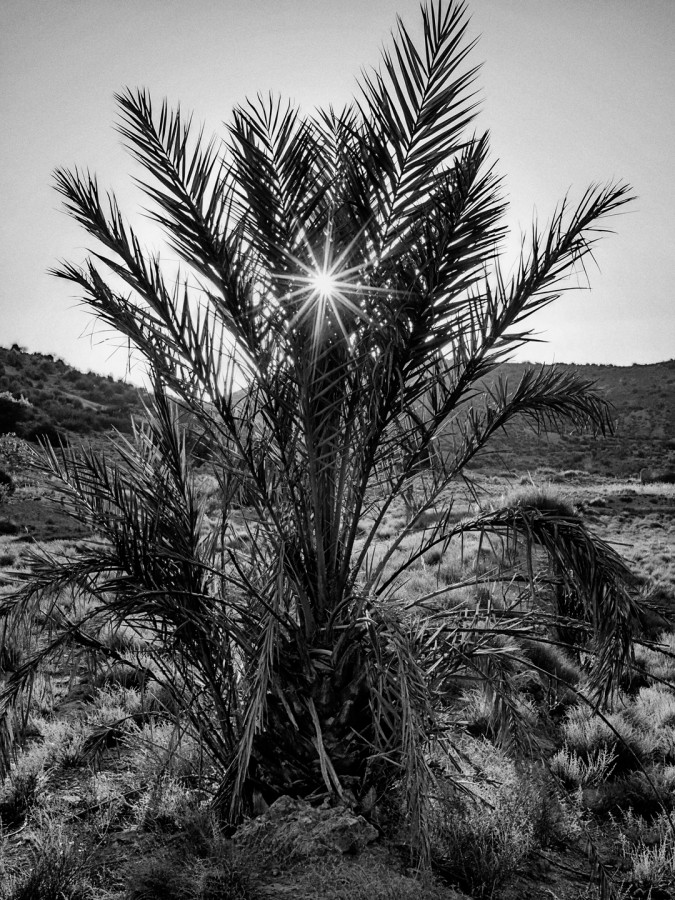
point(603, 591)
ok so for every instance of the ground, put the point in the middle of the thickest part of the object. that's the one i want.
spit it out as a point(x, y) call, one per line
point(124, 811)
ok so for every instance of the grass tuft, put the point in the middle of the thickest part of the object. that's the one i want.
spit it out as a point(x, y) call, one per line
point(56, 872)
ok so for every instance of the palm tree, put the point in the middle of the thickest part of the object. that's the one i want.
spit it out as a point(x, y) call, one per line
point(338, 309)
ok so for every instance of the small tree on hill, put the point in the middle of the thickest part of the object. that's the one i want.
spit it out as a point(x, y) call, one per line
point(13, 412)
point(341, 301)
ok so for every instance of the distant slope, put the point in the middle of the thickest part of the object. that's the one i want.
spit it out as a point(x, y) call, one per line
point(643, 398)
point(65, 402)
point(41, 396)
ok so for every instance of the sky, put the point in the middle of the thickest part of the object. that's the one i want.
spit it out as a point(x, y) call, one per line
point(573, 92)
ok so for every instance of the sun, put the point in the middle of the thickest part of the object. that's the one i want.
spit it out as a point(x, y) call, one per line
point(325, 293)
point(324, 284)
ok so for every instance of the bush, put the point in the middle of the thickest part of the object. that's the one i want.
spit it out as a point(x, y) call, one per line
point(576, 772)
point(13, 411)
point(21, 789)
point(7, 526)
point(56, 873)
point(587, 732)
point(7, 485)
point(480, 843)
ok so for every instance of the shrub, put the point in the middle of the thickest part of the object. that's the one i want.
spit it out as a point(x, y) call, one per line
point(554, 662)
point(15, 454)
point(576, 772)
point(653, 661)
point(479, 850)
point(56, 874)
point(480, 840)
point(648, 850)
point(7, 526)
point(653, 708)
point(653, 868)
point(218, 877)
point(586, 732)
point(13, 411)
point(20, 790)
point(7, 486)
point(542, 498)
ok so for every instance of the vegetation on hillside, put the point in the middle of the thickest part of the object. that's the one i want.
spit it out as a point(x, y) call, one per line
point(642, 400)
point(44, 398)
point(310, 616)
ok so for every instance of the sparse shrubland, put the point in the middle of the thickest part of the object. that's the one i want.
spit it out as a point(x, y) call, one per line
point(44, 398)
point(108, 754)
point(289, 599)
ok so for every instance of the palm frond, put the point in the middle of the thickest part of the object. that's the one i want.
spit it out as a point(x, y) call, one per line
point(414, 119)
point(566, 242)
point(190, 183)
point(595, 575)
point(280, 177)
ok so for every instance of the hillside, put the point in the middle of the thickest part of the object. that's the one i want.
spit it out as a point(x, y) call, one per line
point(64, 402)
point(42, 396)
point(643, 401)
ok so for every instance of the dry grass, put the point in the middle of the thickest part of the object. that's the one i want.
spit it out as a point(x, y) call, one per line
point(109, 764)
point(481, 838)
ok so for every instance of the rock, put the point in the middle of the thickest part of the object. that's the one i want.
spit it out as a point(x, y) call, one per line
point(296, 827)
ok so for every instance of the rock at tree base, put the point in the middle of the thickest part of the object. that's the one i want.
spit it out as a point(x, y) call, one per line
point(301, 830)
